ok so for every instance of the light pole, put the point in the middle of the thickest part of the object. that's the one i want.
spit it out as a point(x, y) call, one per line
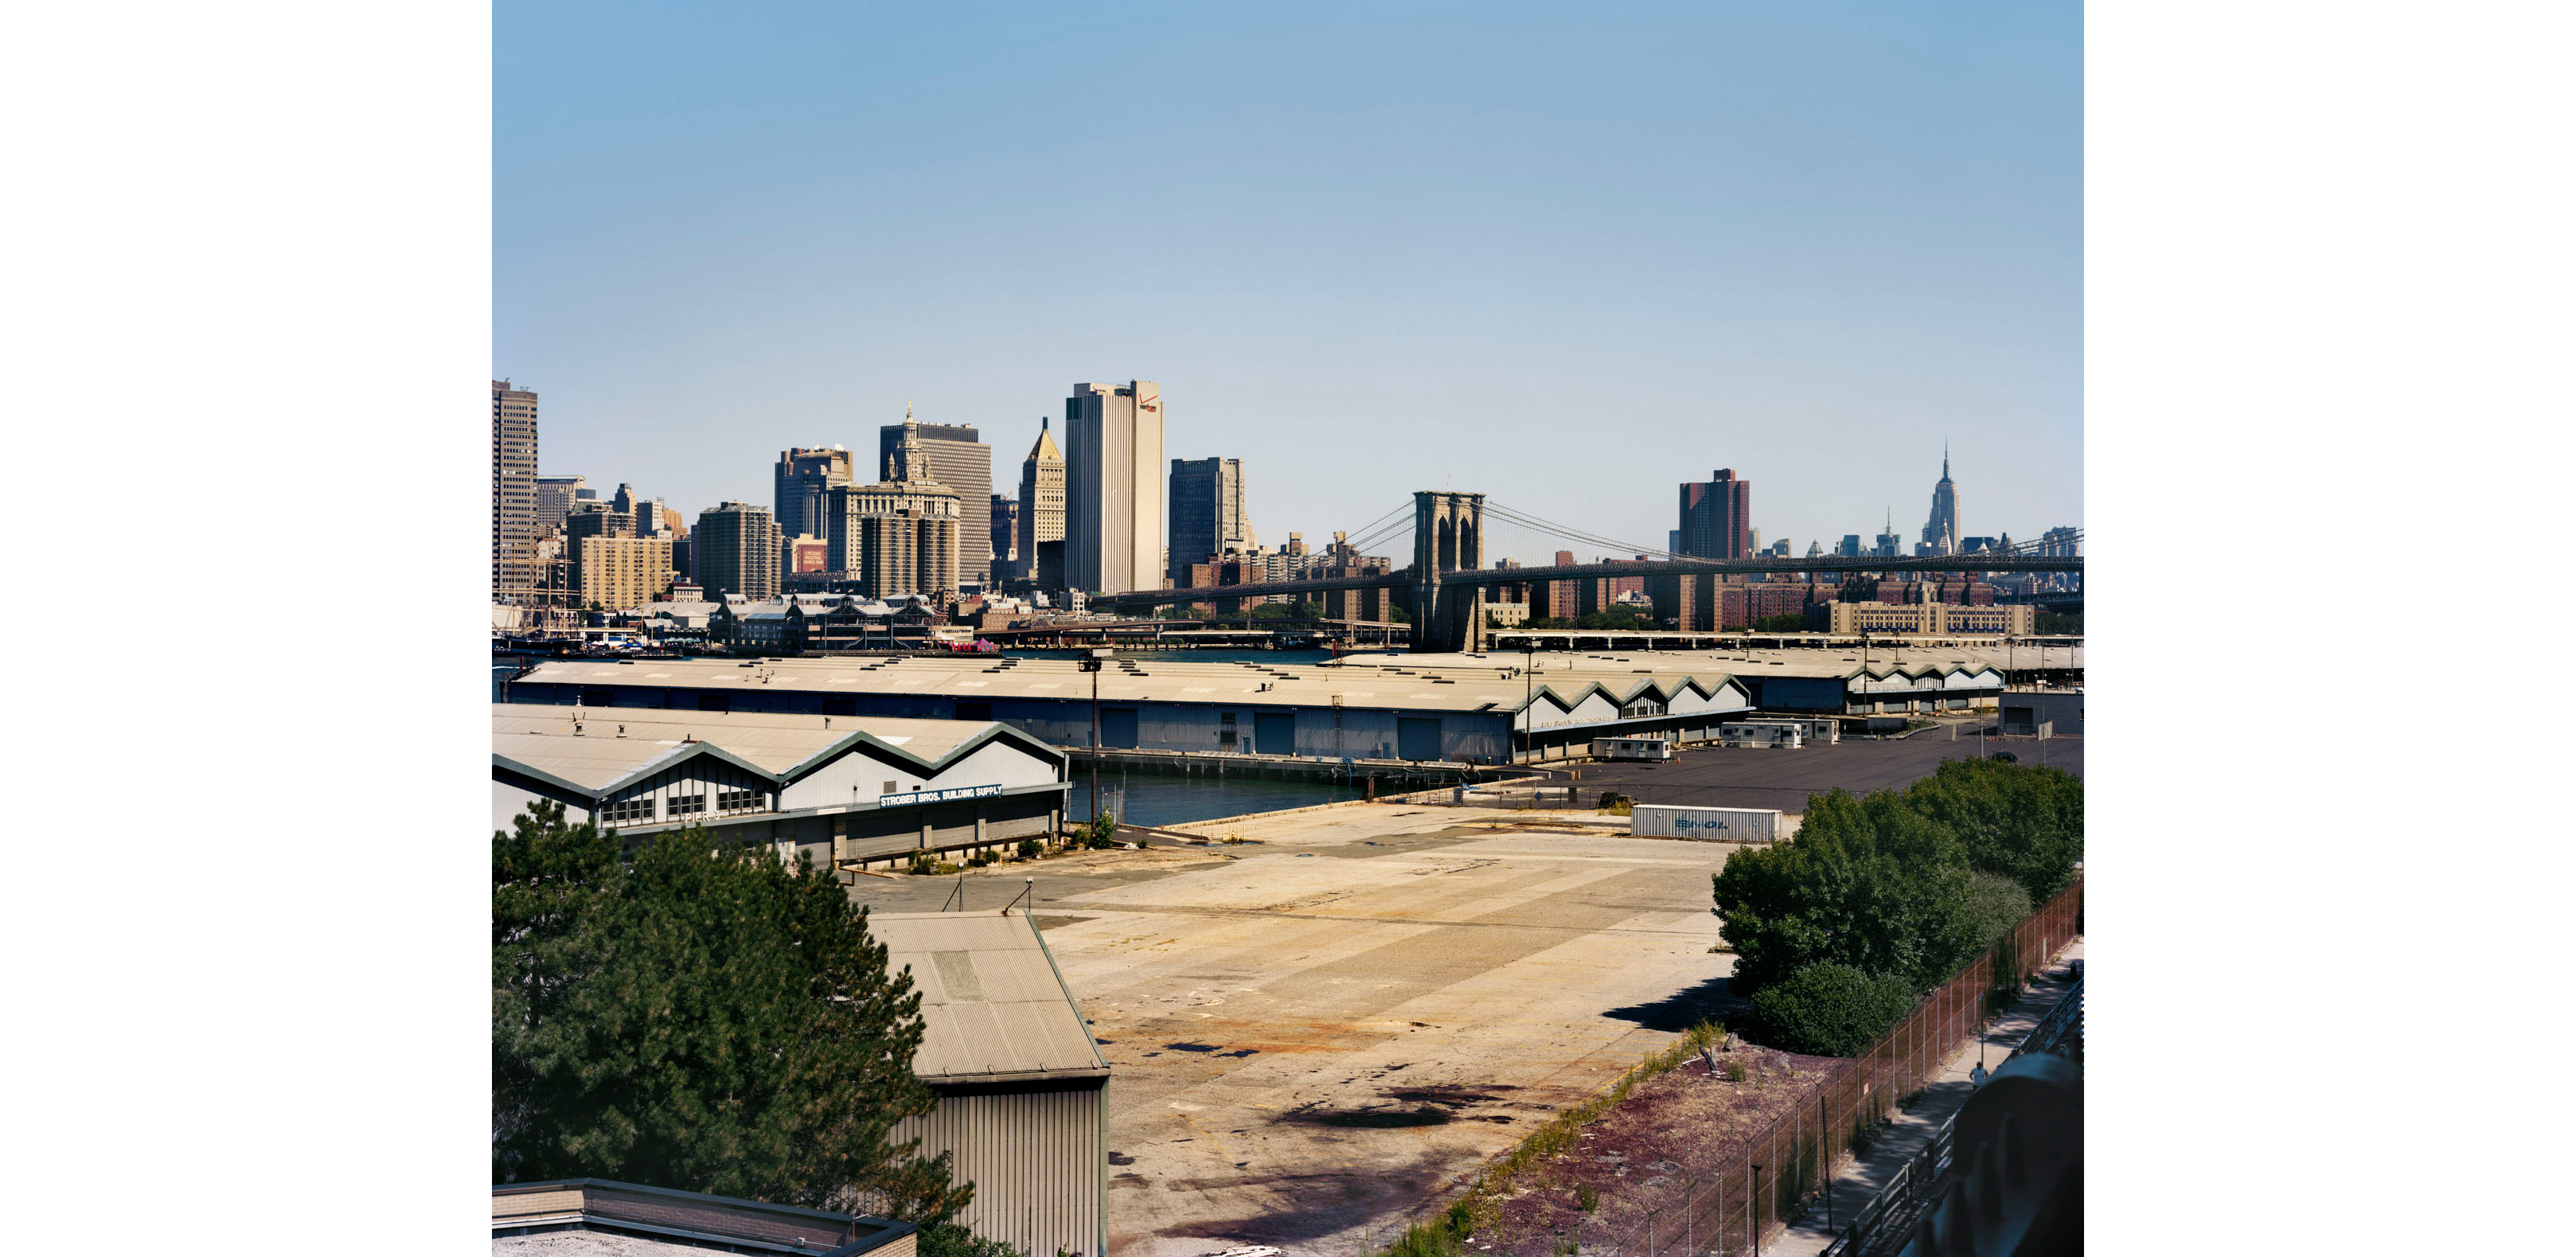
point(1528, 694)
point(1091, 664)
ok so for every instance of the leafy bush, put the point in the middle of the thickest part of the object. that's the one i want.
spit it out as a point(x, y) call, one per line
point(1998, 903)
point(922, 864)
point(1617, 804)
point(1100, 832)
point(2025, 823)
point(1030, 848)
point(1867, 883)
point(1830, 1009)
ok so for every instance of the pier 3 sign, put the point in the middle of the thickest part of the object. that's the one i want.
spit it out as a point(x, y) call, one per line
point(950, 795)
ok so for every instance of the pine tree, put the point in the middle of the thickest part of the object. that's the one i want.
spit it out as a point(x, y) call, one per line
point(694, 1015)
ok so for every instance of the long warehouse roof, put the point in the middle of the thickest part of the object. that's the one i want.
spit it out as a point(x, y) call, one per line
point(603, 748)
point(1449, 682)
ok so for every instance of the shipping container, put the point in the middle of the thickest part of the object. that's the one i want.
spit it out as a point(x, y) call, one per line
point(1705, 824)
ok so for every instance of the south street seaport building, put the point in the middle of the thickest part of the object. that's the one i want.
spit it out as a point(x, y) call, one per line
point(832, 789)
point(1438, 708)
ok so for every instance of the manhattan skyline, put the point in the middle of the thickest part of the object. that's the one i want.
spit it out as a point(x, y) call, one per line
point(1358, 250)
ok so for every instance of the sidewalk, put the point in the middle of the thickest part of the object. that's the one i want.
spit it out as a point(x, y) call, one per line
point(1859, 1180)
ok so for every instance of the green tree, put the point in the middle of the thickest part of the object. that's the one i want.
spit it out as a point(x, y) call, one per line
point(2053, 624)
point(1621, 618)
point(1829, 1009)
point(1785, 622)
point(1867, 882)
point(694, 1015)
point(1997, 902)
point(2021, 821)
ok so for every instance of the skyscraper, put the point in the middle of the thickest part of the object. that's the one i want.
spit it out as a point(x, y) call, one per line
point(955, 456)
point(1041, 505)
point(1113, 501)
point(514, 494)
point(803, 476)
point(1005, 518)
point(1207, 512)
point(555, 496)
point(1941, 532)
point(1890, 546)
point(735, 550)
point(895, 536)
point(1716, 516)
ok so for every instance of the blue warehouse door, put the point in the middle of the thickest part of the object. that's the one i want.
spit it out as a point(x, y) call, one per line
point(1274, 732)
point(1417, 737)
point(1118, 726)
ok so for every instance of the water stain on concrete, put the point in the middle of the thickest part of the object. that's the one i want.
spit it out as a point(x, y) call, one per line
point(1380, 1119)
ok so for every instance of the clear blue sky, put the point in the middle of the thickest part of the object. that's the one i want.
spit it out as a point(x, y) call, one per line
point(1567, 256)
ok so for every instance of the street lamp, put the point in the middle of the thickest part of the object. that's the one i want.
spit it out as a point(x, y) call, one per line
point(1092, 663)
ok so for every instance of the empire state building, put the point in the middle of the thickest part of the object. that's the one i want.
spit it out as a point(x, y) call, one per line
point(1941, 532)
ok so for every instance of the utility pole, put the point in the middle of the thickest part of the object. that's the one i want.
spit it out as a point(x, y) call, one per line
point(1529, 694)
point(1092, 665)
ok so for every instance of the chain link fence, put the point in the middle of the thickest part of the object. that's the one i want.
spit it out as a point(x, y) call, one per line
point(1720, 1210)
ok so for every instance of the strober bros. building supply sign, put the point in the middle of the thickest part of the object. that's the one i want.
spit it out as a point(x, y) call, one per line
point(1704, 824)
point(950, 795)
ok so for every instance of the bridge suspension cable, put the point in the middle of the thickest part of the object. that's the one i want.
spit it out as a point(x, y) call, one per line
point(1568, 533)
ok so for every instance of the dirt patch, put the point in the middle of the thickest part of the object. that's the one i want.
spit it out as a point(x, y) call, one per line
point(1647, 1154)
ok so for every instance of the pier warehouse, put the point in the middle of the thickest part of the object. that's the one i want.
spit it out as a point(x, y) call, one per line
point(1446, 708)
point(831, 788)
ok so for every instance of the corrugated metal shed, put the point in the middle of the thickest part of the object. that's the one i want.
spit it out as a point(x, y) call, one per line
point(1023, 1089)
point(992, 1003)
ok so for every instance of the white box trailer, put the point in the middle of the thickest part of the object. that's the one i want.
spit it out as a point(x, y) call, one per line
point(1632, 748)
point(1705, 824)
point(1761, 733)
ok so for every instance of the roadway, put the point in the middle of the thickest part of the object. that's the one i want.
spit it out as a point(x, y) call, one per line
point(1403, 577)
point(1745, 777)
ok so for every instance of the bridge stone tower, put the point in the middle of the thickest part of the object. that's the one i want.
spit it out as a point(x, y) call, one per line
point(1448, 534)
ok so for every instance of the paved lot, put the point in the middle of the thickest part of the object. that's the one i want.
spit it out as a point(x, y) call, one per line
point(1314, 1036)
point(1745, 777)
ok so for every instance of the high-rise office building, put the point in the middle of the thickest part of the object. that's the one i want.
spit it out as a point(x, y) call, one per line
point(1716, 517)
point(1850, 547)
point(1207, 511)
point(1041, 508)
point(1113, 501)
point(1005, 517)
point(555, 496)
point(514, 494)
point(1941, 532)
point(955, 456)
point(801, 478)
point(597, 519)
point(1890, 546)
point(735, 550)
point(895, 536)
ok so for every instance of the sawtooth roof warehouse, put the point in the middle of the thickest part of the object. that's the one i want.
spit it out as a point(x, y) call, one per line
point(793, 781)
point(1452, 708)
